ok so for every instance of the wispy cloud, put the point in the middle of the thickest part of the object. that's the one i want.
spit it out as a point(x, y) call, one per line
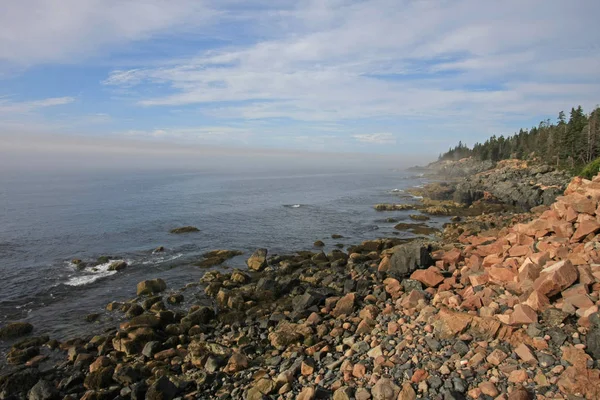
point(375, 138)
point(345, 60)
point(6, 106)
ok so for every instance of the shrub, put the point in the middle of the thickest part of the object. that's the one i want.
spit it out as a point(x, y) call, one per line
point(591, 170)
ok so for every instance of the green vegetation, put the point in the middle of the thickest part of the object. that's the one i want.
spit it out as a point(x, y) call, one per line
point(567, 144)
point(591, 170)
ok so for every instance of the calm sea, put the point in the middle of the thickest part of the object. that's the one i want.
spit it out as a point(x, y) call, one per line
point(46, 220)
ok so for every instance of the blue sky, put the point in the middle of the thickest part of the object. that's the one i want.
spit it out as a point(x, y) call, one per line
point(378, 76)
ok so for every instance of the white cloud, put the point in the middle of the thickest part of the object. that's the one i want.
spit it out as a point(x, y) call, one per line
point(375, 138)
point(457, 68)
point(41, 31)
point(324, 65)
point(7, 106)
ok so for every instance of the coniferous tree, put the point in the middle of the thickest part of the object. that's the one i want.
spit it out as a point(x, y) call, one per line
point(568, 143)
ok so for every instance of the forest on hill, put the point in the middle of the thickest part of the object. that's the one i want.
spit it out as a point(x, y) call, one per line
point(572, 144)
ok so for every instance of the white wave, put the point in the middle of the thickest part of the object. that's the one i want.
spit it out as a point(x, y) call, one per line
point(418, 197)
point(160, 259)
point(293, 205)
point(296, 206)
point(91, 274)
point(397, 191)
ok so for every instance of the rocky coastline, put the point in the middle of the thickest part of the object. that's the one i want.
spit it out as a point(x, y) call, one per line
point(501, 305)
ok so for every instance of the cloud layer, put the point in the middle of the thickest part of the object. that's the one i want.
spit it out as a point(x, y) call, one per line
point(379, 73)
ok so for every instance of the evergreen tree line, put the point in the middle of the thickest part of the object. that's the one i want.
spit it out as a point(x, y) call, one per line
point(567, 144)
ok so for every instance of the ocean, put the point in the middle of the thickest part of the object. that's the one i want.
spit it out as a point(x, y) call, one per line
point(49, 219)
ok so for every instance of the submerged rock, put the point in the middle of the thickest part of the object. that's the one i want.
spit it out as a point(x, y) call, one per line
point(15, 330)
point(184, 229)
point(118, 265)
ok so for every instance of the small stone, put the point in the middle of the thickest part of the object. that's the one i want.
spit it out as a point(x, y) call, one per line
point(385, 389)
point(496, 357)
point(489, 389)
point(407, 392)
point(518, 376)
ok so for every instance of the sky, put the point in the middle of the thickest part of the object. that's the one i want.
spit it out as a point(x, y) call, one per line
point(391, 77)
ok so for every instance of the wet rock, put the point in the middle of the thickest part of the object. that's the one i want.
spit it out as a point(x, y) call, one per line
point(43, 390)
point(258, 260)
point(184, 229)
point(118, 265)
point(175, 298)
point(319, 243)
point(151, 286)
point(162, 389)
point(99, 379)
point(18, 382)
point(15, 330)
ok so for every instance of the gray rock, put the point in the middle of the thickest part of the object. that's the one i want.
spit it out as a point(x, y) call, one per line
point(162, 389)
point(410, 284)
point(409, 257)
point(461, 347)
point(593, 337)
point(43, 390)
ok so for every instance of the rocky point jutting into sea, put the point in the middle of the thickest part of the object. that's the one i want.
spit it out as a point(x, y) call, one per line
point(502, 305)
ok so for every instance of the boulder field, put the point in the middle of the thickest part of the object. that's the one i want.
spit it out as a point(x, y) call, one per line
point(507, 313)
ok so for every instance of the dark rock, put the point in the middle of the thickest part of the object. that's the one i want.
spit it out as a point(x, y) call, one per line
point(151, 348)
point(557, 336)
point(184, 229)
point(175, 299)
point(18, 382)
point(126, 374)
point(593, 336)
point(409, 257)
point(201, 316)
point(92, 317)
point(43, 390)
point(117, 265)
point(410, 284)
point(162, 389)
point(15, 330)
point(99, 379)
point(134, 310)
point(319, 243)
point(307, 300)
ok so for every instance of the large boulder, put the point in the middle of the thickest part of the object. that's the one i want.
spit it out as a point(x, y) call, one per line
point(151, 286)
point(15, 330)
point(409, 257)
point(258, 260)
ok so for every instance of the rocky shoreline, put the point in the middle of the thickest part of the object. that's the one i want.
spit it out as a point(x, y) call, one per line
point(502, 306)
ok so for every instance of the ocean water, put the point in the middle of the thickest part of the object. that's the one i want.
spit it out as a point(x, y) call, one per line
point(48, 219)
